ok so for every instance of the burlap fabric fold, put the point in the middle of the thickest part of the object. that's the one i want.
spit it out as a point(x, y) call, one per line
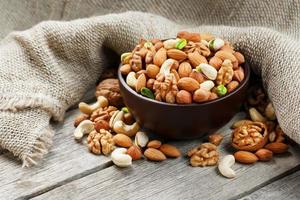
point(48, 68)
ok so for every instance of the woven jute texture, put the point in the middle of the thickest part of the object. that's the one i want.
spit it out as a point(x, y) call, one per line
point(46, 69)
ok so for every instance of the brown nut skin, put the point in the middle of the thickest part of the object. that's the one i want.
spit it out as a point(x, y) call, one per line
point(258, 145)
point(184, 69)
point(125, 69)
point(80, 118)
point(240, 57)
point(183, 97)
point(239, 74)
point(277, 147)
point(264, 154)
point(188, 84)
point(154, 154)
point(194, 37)
point(134, 152)
point(216, 62)
point(201, 95)
point(122, 140)
point(170, 151)
point(245, 157)
point(152, 70)
point(197, 76)
point(154, 144)
point(215, 139)
point(232, 86)
point(101, 124)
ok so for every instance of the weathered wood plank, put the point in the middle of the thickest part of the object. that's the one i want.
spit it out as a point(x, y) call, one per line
point(174, 179)
point(287, 188)
point(67, 160)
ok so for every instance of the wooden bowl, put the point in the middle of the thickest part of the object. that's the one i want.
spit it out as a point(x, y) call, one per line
point(175, 121)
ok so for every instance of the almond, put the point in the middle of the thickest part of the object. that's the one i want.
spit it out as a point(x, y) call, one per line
point(239, 74)
point(188, 84)
point(176, 54)
point(154, 155)
point(240, 57)
point(245, 157)
point(158, 45)
point(194, 37)
point(183, 97)
point(154, 144)
point(170, 150)
point(160, 57)
point(277, 147)
point(201, 95)
point(196, 59)
point(184, 69)
point(152, 70)
point(232, 86)
point(223, 55)
point(125, 69)
point(264, 154)
point(141, 82)
point(216, 62)
point(134, 152)
point(197, 76)
point(122, 140)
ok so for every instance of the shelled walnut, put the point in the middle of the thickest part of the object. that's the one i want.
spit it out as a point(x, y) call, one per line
point(101, 142)
point(110, 89)
point(250, 137)
point(205, 154)
point(165, 88)
point(103, 113)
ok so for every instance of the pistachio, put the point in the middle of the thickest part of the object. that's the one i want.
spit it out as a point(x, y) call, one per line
point(148, 45)
point(221, 90)
point(181, 43)
point(208, 70)
point(125, 57)
point(207, 85)
point(170, 44)
point(216, 44)
point(131, 80)
point(125, 110)
point(147, 93)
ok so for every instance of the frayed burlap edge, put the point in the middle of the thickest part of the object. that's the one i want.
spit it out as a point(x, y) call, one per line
point(39, 149)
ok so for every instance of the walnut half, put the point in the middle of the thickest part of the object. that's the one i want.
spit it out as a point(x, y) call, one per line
point(101, 142)
point(205, 154)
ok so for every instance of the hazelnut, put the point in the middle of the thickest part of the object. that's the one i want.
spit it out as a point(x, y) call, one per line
point(183, 97)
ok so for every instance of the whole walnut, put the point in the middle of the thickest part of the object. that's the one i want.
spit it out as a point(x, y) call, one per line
point(110, 89)
point(101, 142)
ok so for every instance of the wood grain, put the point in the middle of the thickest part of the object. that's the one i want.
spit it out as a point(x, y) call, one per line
point(175, 179)
point(287, 188)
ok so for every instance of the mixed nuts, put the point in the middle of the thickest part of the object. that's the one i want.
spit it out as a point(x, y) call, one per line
point(191, 68)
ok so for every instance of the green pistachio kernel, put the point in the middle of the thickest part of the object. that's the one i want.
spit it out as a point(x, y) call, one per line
point(148, 45)
point(221, 90)
point(125, 110)
point(198, 68)
point(180, 44)
point(211, 44)
point(147, 93)
point(125, 57)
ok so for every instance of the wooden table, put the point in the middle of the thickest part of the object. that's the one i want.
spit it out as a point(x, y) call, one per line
point(69, 171)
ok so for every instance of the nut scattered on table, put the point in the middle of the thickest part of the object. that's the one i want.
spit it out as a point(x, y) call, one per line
point(205, 154)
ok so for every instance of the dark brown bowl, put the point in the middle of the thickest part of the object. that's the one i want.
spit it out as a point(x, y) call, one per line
point(175, 121)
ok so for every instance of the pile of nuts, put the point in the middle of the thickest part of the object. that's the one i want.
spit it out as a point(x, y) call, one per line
point(191, 68)
point(260, 137)
point(108, 127)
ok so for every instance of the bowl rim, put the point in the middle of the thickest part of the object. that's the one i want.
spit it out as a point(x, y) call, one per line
point(242, 84)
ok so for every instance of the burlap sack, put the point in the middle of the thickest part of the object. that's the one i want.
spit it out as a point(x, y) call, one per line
point(46, 69)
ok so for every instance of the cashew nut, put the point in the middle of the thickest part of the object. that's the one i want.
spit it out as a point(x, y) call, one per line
point(85, 127)
point(130, 130)
point(88, 109)
point(118, 115)
point(225, 166)
point(166, 66)
point(256, 116)
point(120, 157)
point(131, 79)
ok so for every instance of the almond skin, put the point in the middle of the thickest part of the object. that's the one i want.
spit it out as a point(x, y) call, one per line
point(134, 152)
point(195, 37)
point(183, 97)
point(264, 154)
point(188, 84)
point(232, 85)
point(197, 76)
point(170, 151)
point(184, 69)
point(125, 69)
point(201, 95)
point(141, 82)
point(176, 54)
point(122, 140)
point(154, 155)
point(245, 157)
point(239, 74)
point(277, 147)
point(196, 59)
point(160, 57)
point(216, 62)
point(154, 144)
point(240, 57)
point(223, 55)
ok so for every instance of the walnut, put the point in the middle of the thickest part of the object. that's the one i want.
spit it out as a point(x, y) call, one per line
point(110, 89)
point(165, 88)
point(225, 74)
point(205, 154)
point(191, 47)
point(103, 113)
point(100, 142)
point(250, 137)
